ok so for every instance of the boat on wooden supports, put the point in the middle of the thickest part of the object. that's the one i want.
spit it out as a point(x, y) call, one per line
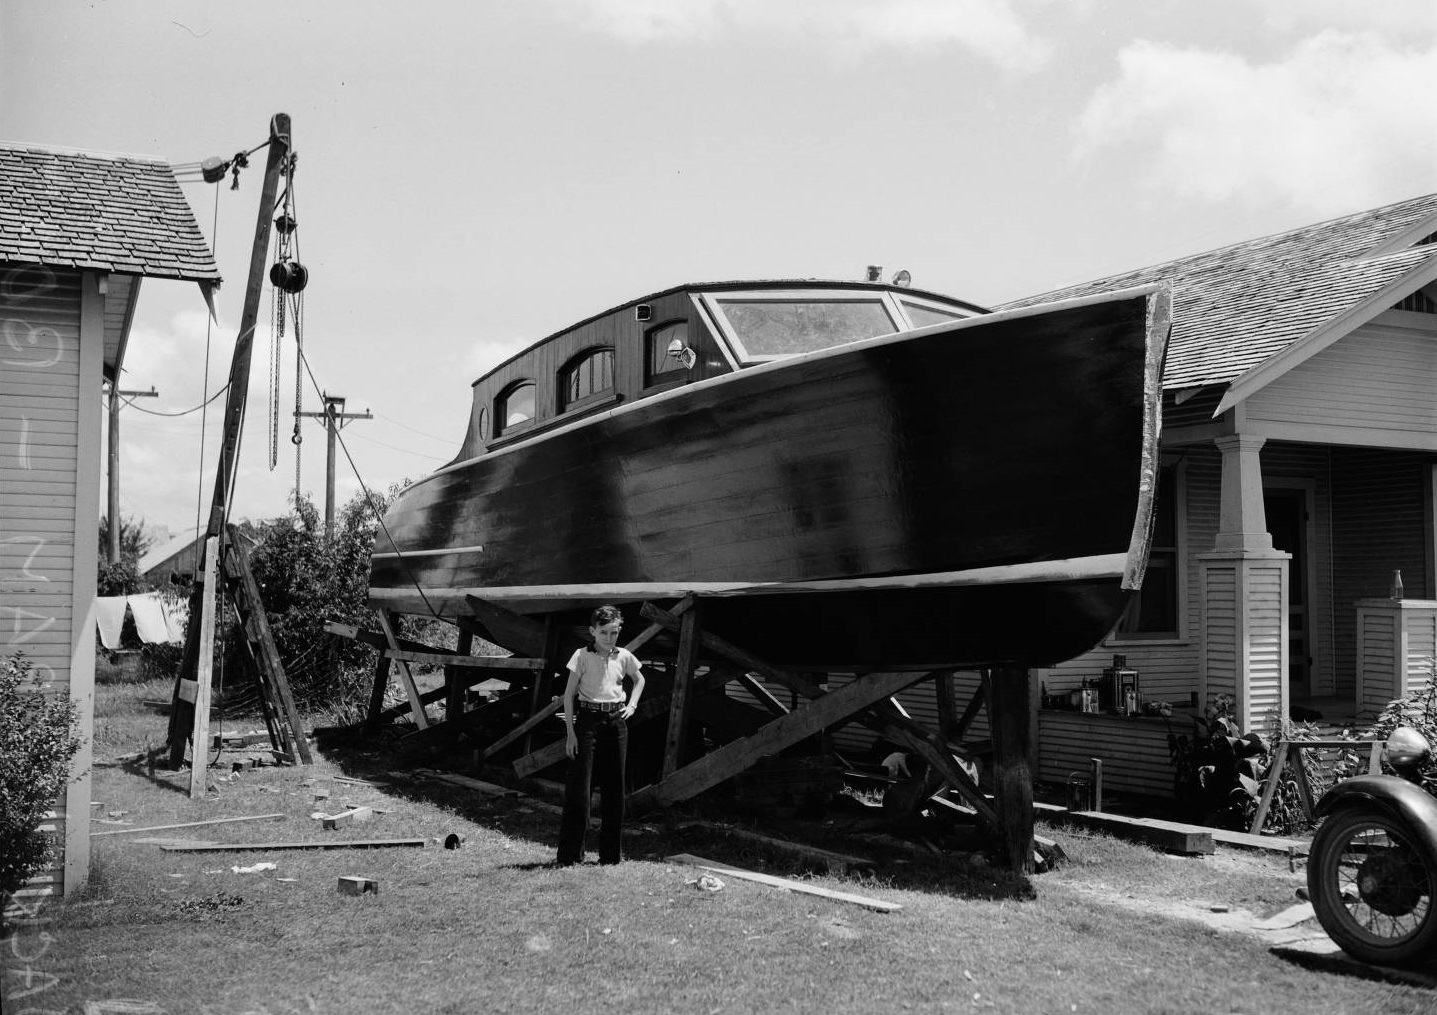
point(853, 476)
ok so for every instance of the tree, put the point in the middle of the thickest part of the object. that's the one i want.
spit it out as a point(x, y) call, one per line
point(135, 539)
point(123, 578)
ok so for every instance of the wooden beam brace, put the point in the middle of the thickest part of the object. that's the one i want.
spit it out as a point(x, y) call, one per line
point(652, 704)
point(733, 653)
point(887, 721)
point(763, 694)
point(376, 694)
point(406, 677)
point(784, 731)
point(377, 639)
point(970, 712)
point(467, 661)
point(529, 724)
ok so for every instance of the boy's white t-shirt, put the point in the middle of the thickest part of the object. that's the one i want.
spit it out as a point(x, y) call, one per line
point(601, 679)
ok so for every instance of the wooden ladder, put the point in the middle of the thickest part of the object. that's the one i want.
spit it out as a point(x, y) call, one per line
point(281, 718)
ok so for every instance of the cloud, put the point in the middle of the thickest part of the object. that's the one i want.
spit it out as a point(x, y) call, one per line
point(1409, 19)
point(991, 29)
point(1341, 113)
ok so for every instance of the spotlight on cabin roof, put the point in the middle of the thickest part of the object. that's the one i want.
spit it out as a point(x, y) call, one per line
point(902, 278)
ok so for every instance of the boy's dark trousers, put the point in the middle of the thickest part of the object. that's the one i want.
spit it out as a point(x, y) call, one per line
point(603, 748)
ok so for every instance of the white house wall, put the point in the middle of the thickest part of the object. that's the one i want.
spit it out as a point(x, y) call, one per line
point(1374, 388)
point(49, 482)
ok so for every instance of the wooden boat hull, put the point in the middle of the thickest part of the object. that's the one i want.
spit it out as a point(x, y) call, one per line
point(964, 494)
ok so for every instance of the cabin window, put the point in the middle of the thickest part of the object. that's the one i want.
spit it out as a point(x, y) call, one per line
point(766, 328)
point(587, 378)
point(922, 315)
point(1156, 611)
point(659, 366)
point(514, 408)
point(481, 426)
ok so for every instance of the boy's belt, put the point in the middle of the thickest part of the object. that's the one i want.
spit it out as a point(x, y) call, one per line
point(601, 706)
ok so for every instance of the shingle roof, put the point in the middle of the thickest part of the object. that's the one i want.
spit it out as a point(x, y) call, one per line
point(115, 213)
point(1240, 305)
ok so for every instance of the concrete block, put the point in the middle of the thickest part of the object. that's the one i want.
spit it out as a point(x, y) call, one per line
point(354, 885)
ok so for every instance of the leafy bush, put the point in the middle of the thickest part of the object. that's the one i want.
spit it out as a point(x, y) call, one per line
point(1418, 711)
point(306, 581)
point(1218, 770)
point(38, 738)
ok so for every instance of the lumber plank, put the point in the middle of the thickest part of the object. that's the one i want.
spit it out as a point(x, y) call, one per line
point(1172, 836)
point(469, 662)
point(479, 785)
point(188, 824)
point(264, 847)
point(838, 863)
point(200, 731)
point(805, 888)
point(679, 698)
point(523, 728)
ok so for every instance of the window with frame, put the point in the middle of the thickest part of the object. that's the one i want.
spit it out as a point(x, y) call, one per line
point(1156, 611)
point(659, 366)
point(514, 408)
point(587, 378)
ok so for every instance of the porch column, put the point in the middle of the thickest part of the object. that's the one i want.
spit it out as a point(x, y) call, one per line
point(1244, 597)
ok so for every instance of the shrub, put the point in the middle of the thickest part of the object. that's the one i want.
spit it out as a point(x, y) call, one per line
point(306, 581)
point(1218, 770)
point(39, 736)
point(1418, 711)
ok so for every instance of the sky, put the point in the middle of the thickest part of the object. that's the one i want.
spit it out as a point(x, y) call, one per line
point(473, 176)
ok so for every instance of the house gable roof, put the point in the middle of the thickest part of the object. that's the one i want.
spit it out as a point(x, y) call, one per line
point(1245, 313)
point(117, 213)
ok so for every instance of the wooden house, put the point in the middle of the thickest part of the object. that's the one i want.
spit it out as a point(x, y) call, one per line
point(78, 233)
point(1299, 468)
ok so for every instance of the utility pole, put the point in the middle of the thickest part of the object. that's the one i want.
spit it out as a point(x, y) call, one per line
point(114, 463)
point(334, 418)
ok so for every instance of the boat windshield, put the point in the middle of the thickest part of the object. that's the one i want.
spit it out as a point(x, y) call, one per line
point(768, 327)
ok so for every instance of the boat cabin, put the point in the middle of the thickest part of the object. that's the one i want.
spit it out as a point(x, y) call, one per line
point(680, 336)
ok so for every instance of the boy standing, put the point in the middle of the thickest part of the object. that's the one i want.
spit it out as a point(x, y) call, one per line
point(595, 717)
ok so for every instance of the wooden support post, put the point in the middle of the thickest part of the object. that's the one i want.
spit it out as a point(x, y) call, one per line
point(1010, 704)
point(376, 694)
point(204, 672)
point(386, 624)
point(679, 700)
point(1274, 777)
point(455, 680)
point(980, 696)
point(947, 704)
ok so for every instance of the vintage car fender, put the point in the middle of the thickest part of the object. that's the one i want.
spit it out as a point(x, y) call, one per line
point(1400, 799)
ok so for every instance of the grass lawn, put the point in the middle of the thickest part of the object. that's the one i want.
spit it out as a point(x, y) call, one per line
point(492, 927)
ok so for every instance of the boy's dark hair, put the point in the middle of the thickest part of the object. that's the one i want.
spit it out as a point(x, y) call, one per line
point(605, 614)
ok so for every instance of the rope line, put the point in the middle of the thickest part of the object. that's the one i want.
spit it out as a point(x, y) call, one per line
point(130, 402)
point(369, 499)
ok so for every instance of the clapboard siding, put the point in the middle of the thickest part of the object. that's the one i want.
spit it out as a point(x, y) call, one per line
point(47, 423)
point(1379, 525)
point(1396, 651)
point(1266, 637)
point(1133, 750)
point(1373, 387)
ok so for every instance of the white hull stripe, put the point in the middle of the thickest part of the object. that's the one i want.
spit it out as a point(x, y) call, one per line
point(428, 553)
point(1110, 565)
